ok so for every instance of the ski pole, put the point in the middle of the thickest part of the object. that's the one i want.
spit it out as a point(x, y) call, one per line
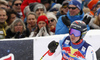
point(44, 55)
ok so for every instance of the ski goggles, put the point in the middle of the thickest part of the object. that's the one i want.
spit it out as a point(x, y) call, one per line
point(76, 33)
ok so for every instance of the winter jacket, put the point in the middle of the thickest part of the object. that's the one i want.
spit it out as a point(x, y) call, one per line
point(61, 28)
point(82, 51)
point(58, 14)
point(11, 34)
point(2, 30)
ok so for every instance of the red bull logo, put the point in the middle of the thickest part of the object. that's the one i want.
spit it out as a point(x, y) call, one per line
point(78, 54)
point(8, 57)
point(73, 52)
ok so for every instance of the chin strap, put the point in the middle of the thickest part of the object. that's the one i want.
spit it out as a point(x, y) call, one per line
point(79, 39)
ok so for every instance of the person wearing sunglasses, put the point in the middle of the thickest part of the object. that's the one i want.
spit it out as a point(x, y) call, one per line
point(16, 6)
point(75, 12)
point(64, 9)
point(73, 47)
point(52, 21)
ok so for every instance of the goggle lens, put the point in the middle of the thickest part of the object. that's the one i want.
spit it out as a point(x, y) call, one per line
point(76, 33)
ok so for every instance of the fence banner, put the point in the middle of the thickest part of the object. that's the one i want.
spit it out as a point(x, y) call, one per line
point(16, 49)
point(34, 48)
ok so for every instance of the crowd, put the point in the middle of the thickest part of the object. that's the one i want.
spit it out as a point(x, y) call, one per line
point(35, 18)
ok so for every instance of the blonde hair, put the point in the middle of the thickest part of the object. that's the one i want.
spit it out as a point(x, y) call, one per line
point(15, 22)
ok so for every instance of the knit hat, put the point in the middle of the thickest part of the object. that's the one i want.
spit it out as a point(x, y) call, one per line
point(37, 6)
point(98, 3)
point(56, 7)
point(65, 2)
point(76, 3)
point(32, 5)
point(51, 15)
point(92, 4)
point(98, 11)
point(42, 18)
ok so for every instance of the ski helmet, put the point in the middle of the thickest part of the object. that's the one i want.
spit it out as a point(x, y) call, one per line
point(80, 26)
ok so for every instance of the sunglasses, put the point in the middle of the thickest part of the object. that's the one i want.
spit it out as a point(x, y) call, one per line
point(17, 4)
point(73, 8)
point(65, 6)
point(76, 33)
point(51, 20)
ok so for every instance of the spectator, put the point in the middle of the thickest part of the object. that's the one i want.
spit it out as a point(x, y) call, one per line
point(86, 10)
point(52, 20)
point(17, 30)
point(47, 4)
point(64, 9)
point(95, 23)
point(3, 4)
point(26, 3)
point(38, 8)
point(10, 4)
point(55, 8)
point(75, 13)
point(42, 27)
point(12, 15)
point(32, 5)
point(16, 6)
point(26, 11)
point(92, 6)
point(73, 47)
point(98, 5)
point(3, 23)
point(31, 21)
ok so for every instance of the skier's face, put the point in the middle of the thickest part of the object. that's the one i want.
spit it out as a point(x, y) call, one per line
point(73, 38)
point(74, 35)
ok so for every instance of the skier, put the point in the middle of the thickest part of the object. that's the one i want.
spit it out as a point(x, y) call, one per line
point(73, 47)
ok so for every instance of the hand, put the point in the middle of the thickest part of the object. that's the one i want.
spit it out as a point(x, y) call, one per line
point(52, 28)
point(52, 46)
point(86, 20)
point(17, 35)
point(40, 32)
point(44, 31)
point(23, 35)
point(66, 21)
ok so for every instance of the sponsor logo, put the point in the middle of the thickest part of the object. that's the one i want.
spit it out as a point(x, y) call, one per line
point(73, 52)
